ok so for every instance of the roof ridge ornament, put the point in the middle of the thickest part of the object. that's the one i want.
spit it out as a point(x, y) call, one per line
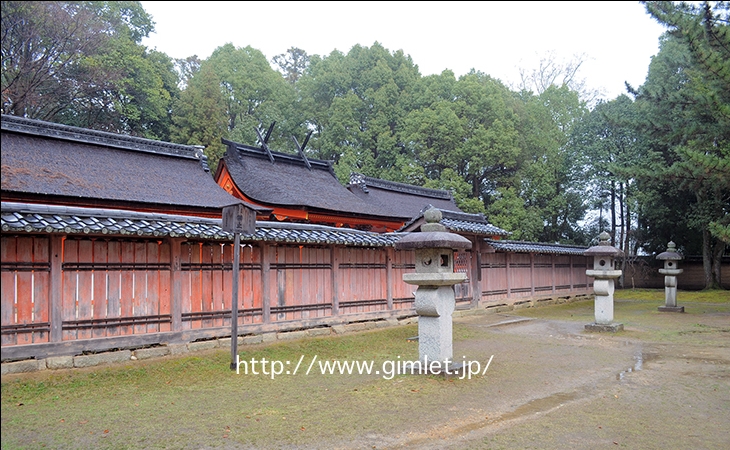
point(265, 140)
point(300, 149)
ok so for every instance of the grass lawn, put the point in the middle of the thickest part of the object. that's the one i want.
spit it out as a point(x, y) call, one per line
point(196, 401)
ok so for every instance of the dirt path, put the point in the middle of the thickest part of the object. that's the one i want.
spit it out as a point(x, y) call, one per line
point(553, 386)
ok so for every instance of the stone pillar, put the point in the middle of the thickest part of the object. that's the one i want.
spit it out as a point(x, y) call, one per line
point(670, 271)
point(604, 277)
point(435, 300)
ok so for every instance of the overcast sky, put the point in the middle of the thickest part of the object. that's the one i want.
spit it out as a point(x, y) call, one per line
point(616, 39)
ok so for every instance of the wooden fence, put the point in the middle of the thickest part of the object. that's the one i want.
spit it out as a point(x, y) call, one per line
point(65, 295)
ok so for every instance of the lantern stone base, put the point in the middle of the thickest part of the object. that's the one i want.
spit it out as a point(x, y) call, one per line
point(604, 327)
point(676, 309)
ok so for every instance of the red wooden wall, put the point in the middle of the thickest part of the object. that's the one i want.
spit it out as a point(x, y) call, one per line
point(113, 287)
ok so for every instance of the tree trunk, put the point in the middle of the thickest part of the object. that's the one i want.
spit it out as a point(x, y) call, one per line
point(717, 263)
point(619, 242)
point(613, 213)
point(626, 219)
point(707, 258)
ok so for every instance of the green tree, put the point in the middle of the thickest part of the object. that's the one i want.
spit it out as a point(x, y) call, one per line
point(255, 96)
point(80, 63)
point(613, 150)
point(551, 178)
point(292, 64)
point(686, 105)
point(200, 115)
point(356, 103)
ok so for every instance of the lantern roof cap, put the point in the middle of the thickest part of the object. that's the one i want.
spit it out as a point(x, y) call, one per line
point(604, 247)
point(671, 253)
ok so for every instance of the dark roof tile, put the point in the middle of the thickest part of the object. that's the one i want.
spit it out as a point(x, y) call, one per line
point(535, 247)
point(399, 200)
point(30, 218)
point(288, 182)
point(41, 158)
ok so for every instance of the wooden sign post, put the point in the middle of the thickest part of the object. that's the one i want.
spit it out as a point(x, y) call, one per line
point(237, 219)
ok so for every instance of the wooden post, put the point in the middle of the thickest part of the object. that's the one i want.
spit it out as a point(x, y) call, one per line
point(532, 274)
point(335, 259)
point(234, 299)
point(265, 297)
point(476, 272)
point(552, 262)
point(56, 277)
point(176, 284)
point(389, 276)
point(570, 273)
point(507, 274)
point(237, 219)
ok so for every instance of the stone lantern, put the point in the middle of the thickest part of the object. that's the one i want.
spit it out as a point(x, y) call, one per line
point(670, 271)
point(604, 276)
point(435, 301)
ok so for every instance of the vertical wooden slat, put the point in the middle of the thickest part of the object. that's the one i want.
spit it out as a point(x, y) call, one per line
point(196, 294)
point(227, 281)
point(389, 277)
point(24, 280)
point(301, 276)
point(266, 297)
point(474, 273)
point(128, 281)
point(8, 252)
point(100, 288)
point(140, 285)
point(552, 270)
point(257, 281)
point(292, 256)
point(70, 255)
point(216, 282)
point(164, 289)
point(113, 287)
point(177, 297)
point(152, 302)
point(335, 279)
point(206, 286)
point(56, 293)
point(85, 288)
point(41, 282)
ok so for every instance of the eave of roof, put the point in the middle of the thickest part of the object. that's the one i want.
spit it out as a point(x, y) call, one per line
point(365, 182)
point(535, 247)
point(47, 219)
point(460, 222)
point(103, 138)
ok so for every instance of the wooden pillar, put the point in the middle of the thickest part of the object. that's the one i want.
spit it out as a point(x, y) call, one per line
point(56, 288)
point(532, 274)
point(476, 272)
point(335, 260)
point(552, 263)
point(389, 276)
point(265, 297)
point(507, 274)
point(570, 272)
point(176, 299)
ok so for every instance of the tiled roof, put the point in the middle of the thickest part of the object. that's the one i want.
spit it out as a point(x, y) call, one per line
point(535, 247)
point(399, 200)
point(464, 226)
point(290, 181)
point(86, 167)
point(33, 218)
point(461, 222)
